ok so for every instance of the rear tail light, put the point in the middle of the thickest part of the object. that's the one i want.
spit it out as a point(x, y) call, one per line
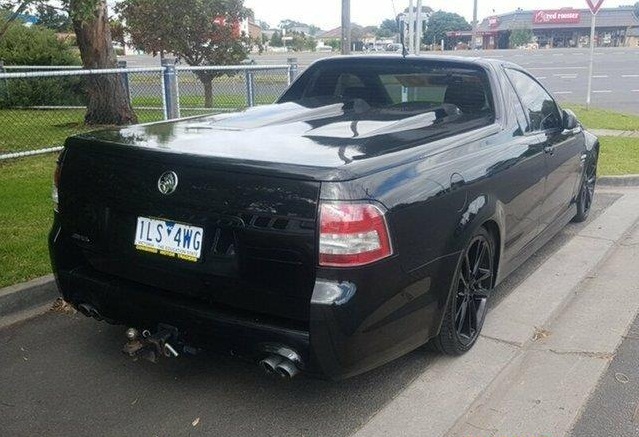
point(352, 234)
point(56, 183)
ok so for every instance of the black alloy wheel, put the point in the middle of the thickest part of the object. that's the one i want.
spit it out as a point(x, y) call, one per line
point(587, 191)
point(467, 306)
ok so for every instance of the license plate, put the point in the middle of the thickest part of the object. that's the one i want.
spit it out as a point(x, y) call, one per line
point(169, 238)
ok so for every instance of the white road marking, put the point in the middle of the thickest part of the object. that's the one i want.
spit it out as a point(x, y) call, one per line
point(635, 91)
point(630, 75)
point(600, 76)
point(566, 76)
point(541, 77)
point(558, 68)
point(601, 91)
point(562, 92)
point(557, 54)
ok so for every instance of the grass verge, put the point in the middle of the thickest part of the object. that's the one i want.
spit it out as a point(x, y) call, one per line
point(619, 156)
point(26, 214)
point(38, 129)
point(604, 119)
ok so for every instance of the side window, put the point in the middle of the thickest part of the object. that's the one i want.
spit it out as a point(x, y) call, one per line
point(540, 106)
point(522, 121)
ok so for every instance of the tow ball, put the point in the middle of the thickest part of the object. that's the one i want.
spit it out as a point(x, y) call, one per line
point(151, 346)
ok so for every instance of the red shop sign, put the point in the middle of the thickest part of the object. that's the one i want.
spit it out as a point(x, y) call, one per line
point(559, 16)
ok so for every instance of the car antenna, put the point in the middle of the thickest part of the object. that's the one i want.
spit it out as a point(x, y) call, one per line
point(402, 35)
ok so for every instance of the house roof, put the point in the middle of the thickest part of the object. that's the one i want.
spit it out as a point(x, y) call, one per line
point(611, 17)
point(331, 34)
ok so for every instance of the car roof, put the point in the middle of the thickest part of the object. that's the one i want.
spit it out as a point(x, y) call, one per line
point(467, 60)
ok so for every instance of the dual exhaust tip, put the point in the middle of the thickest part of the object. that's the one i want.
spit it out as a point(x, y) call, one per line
point(90, 311)
point(272, 365)
point(281, 366)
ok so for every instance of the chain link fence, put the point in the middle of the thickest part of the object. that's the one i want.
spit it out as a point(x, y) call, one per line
point(41, 107)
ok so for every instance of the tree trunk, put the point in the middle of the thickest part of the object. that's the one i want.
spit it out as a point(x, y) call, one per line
point(208, 92)
point(108, 101)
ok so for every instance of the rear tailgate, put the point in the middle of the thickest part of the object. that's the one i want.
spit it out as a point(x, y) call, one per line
point(258, 248)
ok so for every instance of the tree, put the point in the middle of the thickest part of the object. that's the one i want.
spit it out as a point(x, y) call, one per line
point(637, 10)
point(53, 18)
point(388, 28)
point(276, 39)
point(117, 31)
point(301, 42)
point(199, 32)
point(108, 99)
point(425, 9)
point(520, 36)
point(289, 24)
point(12, 9)
point(314, 30)
point(441, 22)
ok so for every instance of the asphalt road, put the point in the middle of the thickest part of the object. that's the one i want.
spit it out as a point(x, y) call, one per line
point(63, 374)
point(563, 71)
point(613, 409)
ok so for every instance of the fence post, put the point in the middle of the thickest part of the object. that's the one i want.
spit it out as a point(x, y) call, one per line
point(170, 91)
point(4, 84)
point(292, 69)
point(250, 87)
point(125, 80)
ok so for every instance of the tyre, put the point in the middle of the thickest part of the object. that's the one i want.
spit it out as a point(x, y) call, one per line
point(587, 190)
point(467, 304)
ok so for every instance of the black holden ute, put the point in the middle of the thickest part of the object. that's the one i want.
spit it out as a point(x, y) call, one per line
point(370, 210)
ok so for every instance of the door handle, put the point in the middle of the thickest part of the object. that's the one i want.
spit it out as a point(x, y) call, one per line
point(549, 150)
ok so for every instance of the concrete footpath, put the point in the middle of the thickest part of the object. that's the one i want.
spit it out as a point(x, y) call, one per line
point(615, 133)
point(543, 349)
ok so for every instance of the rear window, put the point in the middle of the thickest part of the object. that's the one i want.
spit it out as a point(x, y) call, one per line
point(397, 85)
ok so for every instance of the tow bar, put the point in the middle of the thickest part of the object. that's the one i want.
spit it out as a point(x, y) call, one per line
point(152, 346)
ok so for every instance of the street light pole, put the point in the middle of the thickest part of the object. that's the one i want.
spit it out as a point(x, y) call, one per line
point(419, 28)
point(474, 37)
point(592, 59)
point(346, 27)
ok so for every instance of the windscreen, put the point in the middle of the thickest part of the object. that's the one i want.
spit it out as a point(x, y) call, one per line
point(398, 85)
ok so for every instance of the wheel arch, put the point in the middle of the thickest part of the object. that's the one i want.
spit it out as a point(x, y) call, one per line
point(488, 213)
point(493, 229)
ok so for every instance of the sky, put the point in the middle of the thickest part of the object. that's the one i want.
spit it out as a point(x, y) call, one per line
point(326, 13)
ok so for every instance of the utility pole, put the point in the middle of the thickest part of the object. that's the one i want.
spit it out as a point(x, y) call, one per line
point(346, 27)
point(419, 28)
point(474, 37)
point(411, 27)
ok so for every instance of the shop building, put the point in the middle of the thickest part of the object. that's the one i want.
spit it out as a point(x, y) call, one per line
point(567, 27)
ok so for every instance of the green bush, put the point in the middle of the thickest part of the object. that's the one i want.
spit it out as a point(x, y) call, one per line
point(37, 45)
point(57, 91)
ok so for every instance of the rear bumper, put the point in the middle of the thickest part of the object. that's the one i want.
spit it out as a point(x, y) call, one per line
point(356, 323)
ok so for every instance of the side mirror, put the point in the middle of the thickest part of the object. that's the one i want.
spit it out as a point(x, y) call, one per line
point(570, 120)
